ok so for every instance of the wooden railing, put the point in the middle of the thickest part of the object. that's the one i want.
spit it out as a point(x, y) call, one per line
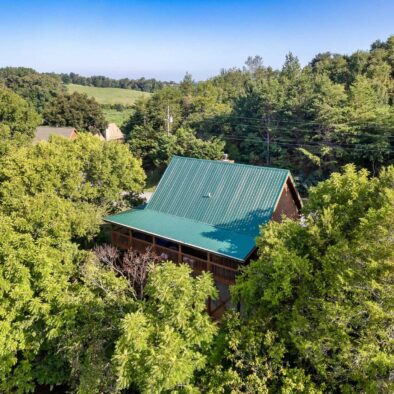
point(140, 245)
point(167, 253)
point(120, 240)
point(221, 272)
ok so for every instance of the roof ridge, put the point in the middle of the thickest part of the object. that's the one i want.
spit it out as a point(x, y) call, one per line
point(221, 162)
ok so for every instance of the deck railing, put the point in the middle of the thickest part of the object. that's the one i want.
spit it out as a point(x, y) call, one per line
point(221, 272)
point(120, 240)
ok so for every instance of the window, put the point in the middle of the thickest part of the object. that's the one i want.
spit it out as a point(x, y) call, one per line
point(142, 236)
point(166, 243)
point(195, 252)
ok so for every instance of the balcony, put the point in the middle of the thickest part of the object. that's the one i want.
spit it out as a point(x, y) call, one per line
point(223, 270)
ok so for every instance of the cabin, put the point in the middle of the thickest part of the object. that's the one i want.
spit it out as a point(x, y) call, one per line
point(44, 132)
point(207, 214)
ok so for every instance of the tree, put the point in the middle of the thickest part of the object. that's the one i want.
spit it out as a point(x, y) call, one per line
point(131, 265)
point(18, 121)
point(246, 358)
point(164, 342)
point(60, 311)
point(325, 284)
point(187, 144)
point(291, 67)
point(63, 188)
point(187, 85)
point(254, 63)
point(370, 119)
point(36, 88)
point(157, 148)
point(153, 148)
point(76, 110)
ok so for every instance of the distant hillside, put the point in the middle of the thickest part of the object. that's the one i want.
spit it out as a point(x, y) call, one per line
point(109, 96)
point(100, 81)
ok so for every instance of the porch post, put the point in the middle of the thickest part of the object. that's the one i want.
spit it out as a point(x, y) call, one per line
point(112, 234)
point(209, 270)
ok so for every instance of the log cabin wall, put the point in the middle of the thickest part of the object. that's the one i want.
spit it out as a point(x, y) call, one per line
point(287, 204)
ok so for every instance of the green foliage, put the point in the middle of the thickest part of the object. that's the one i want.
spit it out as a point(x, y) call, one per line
point(325, 285)
point(62, 188)
point(18, 121)
point(157, 148)
point(117, 116)
point(59, 312)
point(338, 109)
point(60, 309)
point(99, 81)
point(37, 89)
point(317, 305)
point(76, 110)
point(247, 358)
point(163, 343)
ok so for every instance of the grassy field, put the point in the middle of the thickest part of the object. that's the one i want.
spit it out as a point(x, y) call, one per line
point(109, 95)
point(117, 117)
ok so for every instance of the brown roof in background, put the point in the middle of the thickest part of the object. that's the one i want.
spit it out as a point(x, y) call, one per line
point(113, 132)
point(44, 132)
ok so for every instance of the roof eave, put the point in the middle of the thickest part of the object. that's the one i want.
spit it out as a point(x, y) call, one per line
point(180, 242)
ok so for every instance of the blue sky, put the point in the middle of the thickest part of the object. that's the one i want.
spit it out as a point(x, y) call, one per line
point(164, 39)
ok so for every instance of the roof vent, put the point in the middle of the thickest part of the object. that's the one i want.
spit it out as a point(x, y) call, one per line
point(226, 159)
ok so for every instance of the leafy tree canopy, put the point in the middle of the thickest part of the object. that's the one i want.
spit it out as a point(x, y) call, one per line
point(157, 148)
point(325, 285)
point(76, 110)
point(164, 342)
point(64, 187)
point(338, 109)
point(39, 89)
point(59, 312)
point(249, 358)
point(18, 121)
point(142, 84)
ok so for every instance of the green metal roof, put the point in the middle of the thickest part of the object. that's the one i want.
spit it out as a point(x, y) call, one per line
point(212, 205)
point(187, 232)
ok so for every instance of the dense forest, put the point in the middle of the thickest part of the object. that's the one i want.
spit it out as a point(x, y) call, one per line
point(338, 109)
point(78, 316)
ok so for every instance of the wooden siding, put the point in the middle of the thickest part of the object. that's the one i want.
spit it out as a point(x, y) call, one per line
point(287, 204)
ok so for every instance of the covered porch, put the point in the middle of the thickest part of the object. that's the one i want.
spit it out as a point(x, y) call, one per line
point(222, 268)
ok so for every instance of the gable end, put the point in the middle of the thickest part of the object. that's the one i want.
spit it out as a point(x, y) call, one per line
point(289, 202)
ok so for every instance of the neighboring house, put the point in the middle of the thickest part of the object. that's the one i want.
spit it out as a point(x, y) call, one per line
point(208, 214)
point(113, 133)
point(44, 132)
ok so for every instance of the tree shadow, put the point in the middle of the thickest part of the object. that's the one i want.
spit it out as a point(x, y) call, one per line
point(240, 235)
